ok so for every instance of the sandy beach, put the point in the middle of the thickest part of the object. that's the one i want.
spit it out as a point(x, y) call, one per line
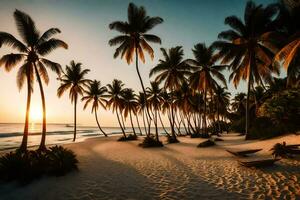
point(121, 170)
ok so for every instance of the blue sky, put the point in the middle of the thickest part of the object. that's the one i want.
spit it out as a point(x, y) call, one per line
point(84, 26)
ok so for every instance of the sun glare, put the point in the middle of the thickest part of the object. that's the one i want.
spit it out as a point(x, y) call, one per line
point(36, 114)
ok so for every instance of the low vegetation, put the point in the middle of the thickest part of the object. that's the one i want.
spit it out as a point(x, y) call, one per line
point(151, 141)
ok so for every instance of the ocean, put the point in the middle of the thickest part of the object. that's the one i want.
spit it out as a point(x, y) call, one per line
point(11, 134)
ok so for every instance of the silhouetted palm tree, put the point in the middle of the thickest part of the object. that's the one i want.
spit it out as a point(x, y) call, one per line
point(222, 99)
point(73, 79)
point(33, 49)
point(245, 48)
point(129, 105)
point(134, 38)
point(172, 72)
point(239, 102)
point(141, 108)
point(203, 79)
point(155, 100)
point(115, 90)
point(95, 94)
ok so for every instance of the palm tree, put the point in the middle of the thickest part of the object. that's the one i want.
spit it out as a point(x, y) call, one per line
point(205, 70)
point(288, 37)
point(141, 99)
point(172, 72)
point(222, 99)
point(73, 79)
point(95, 94)
point(134, 38)
point(245, 48)
point(238, 103)
point(129, 105)
point(115, 90)
point(32, 51)
point(154, 100)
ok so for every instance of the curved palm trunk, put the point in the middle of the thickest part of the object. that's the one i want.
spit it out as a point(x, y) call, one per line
point(75, 118)
point(120, 124)
point(162, 124)
point(23, 146)
point(132, 123)
point(173, 122)
point(183, 123)
point(43, 139)
point(138, 123)
point(218, 116)
point(122, 120)
point(141, 80)
point(96, 116)
point(204, 119)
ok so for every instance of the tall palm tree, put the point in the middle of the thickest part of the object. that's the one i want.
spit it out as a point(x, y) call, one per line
point(73, 79)
point(172, 72)
point(222, 99)
point(154, 100)
point(32, 53)
point(95, 94)
point(129, 105)
point(141, 108)
point(115, 90)
point(206, 74)
point(245, 48)
point(287, 35)
point(134, 38)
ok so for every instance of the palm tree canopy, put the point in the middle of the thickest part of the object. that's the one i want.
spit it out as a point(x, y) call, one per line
point(115, 90)
point(129, 101)
point(154, 95)
point(32, 49)
point(73, 79)
point(134, 34)
point(172, 71)
point(95, 94)
point(244, 46)
point(204, 69)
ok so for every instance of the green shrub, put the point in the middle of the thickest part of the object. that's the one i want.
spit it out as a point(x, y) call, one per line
point(150, 141)
point(127, 138)
point(172, 139)
point(206, 143)
point(29, 165)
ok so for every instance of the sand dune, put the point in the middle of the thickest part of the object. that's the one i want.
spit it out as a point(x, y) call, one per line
point(122, 170)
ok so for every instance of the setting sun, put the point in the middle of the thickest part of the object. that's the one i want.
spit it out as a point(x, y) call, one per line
point(36, 114)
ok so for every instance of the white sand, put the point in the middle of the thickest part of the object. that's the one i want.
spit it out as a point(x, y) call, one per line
point(122, 170)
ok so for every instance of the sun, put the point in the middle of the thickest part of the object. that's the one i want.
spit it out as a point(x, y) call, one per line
point(36, 114)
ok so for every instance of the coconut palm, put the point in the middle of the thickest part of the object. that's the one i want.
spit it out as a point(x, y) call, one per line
point(32, 53)
point(222, 99)
point(141, 108)
point(73, 79)
point(129, 105)
point(206, 74)
point(95, 94)
point(115, 90)
point(172, 72)
point(155, 100)
point(245, 48)
point(134, 39)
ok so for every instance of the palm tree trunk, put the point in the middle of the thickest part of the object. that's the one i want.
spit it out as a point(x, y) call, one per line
point(138, 123)
point(99, 124)
point(23, 146)
point(75, 110)
point(122, 120)
point(183, 122)
point(144, 122)
point(155, 123)
point(173, 121)
point(205, 123)
point(141, 80)
point(162, 124)
point(120, 124)
point(132, 123)
point(218, 114)
point(43, 139)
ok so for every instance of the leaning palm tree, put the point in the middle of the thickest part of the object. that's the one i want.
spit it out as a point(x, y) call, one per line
point(115, 90)
point(129, 105)
point(172, 72)
point(134, 39)
point(32, 51)
point(206, 74)
point(245, 48)
point(95, 94)
point(73, 79)
point(222, 99)
point(154, 100)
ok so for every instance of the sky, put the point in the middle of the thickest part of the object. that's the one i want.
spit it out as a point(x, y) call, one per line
point(84, 26)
